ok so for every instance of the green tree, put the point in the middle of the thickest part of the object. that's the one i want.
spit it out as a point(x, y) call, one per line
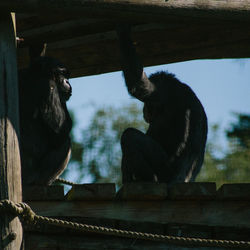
point(237, 161)
point(239, 134)
point(76, 151)
point(234, 167)
point(98, 153)
point(212, 169)
point(100, 156)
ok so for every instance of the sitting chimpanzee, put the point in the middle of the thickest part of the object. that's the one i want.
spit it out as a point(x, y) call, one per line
point(45, 123)
point(172, 150)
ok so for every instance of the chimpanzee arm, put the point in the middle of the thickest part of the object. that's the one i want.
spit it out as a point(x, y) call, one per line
point(136, 80)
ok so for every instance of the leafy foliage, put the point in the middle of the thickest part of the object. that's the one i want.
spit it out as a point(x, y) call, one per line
point(239, 134)
point(76, 151)
point(234, 167)
point(101, 157)
point(98, 154)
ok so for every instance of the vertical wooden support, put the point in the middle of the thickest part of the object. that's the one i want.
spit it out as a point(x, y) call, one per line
point(10, 167)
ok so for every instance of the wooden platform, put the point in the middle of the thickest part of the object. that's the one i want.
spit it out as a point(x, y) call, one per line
point(201, 211)
point(81, 32)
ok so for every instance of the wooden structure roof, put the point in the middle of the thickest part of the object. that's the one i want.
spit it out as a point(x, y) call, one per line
point(81, 32)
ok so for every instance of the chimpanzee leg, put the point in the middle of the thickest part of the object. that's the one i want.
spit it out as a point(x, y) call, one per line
point(142, 158)
point(51, 166)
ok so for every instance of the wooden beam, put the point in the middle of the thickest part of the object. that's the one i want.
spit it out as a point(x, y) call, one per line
point(59, 31)
point(10, 168)
point(80, 33)
point(139, 191)
point(136, 9)
point(236, 191)
point(193, 191)
point(156, 44)
point(92, 191)
point(82, 242)
point(41, 193)
point(221, 213)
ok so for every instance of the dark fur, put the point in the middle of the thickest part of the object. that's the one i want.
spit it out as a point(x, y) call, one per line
point(45, 123)
point(172, 150)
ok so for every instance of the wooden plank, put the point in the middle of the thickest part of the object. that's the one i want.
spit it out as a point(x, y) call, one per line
point(136, 9)
point(70, 242)
point(142, 191)
point(196, 231)
point(237, 191)
point(156, 44)
point(43, 193)
point(10, 166)
point(59, 31)
point(189, 30)
point(211, 213)
point(96, 191)
point(185, 230)
point(30, 21)
point(193, 190)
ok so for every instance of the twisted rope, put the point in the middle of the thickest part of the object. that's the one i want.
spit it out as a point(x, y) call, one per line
point(63, 181)
point(26, 214)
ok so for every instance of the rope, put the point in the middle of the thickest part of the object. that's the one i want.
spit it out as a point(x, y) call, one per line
point(63, 181)
point(26, 214)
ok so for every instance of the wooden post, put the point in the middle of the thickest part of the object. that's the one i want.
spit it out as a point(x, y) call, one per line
point(10, 167)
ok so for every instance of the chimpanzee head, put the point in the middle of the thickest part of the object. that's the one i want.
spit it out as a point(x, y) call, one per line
point(54, 76)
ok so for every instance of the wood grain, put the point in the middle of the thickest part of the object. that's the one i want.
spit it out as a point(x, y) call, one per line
point(95, 191)
point(91, 242)
point(43, 193)
point(237, 191)
point(211, 213)
point(236, 9)
point(193, 191)
point(10, 167)
point(142, 191)
point(89, 53)
point(82, 33)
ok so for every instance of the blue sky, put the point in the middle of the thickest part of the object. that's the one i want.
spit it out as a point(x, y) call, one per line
point(223, 87)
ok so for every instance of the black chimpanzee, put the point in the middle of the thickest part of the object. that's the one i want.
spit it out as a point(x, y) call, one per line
point(45, 123)
point(172, 150)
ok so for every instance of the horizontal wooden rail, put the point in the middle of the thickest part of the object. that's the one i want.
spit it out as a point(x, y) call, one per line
point(136, 9)
point(209, 213)
point(186, 209)
point(81, 33)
